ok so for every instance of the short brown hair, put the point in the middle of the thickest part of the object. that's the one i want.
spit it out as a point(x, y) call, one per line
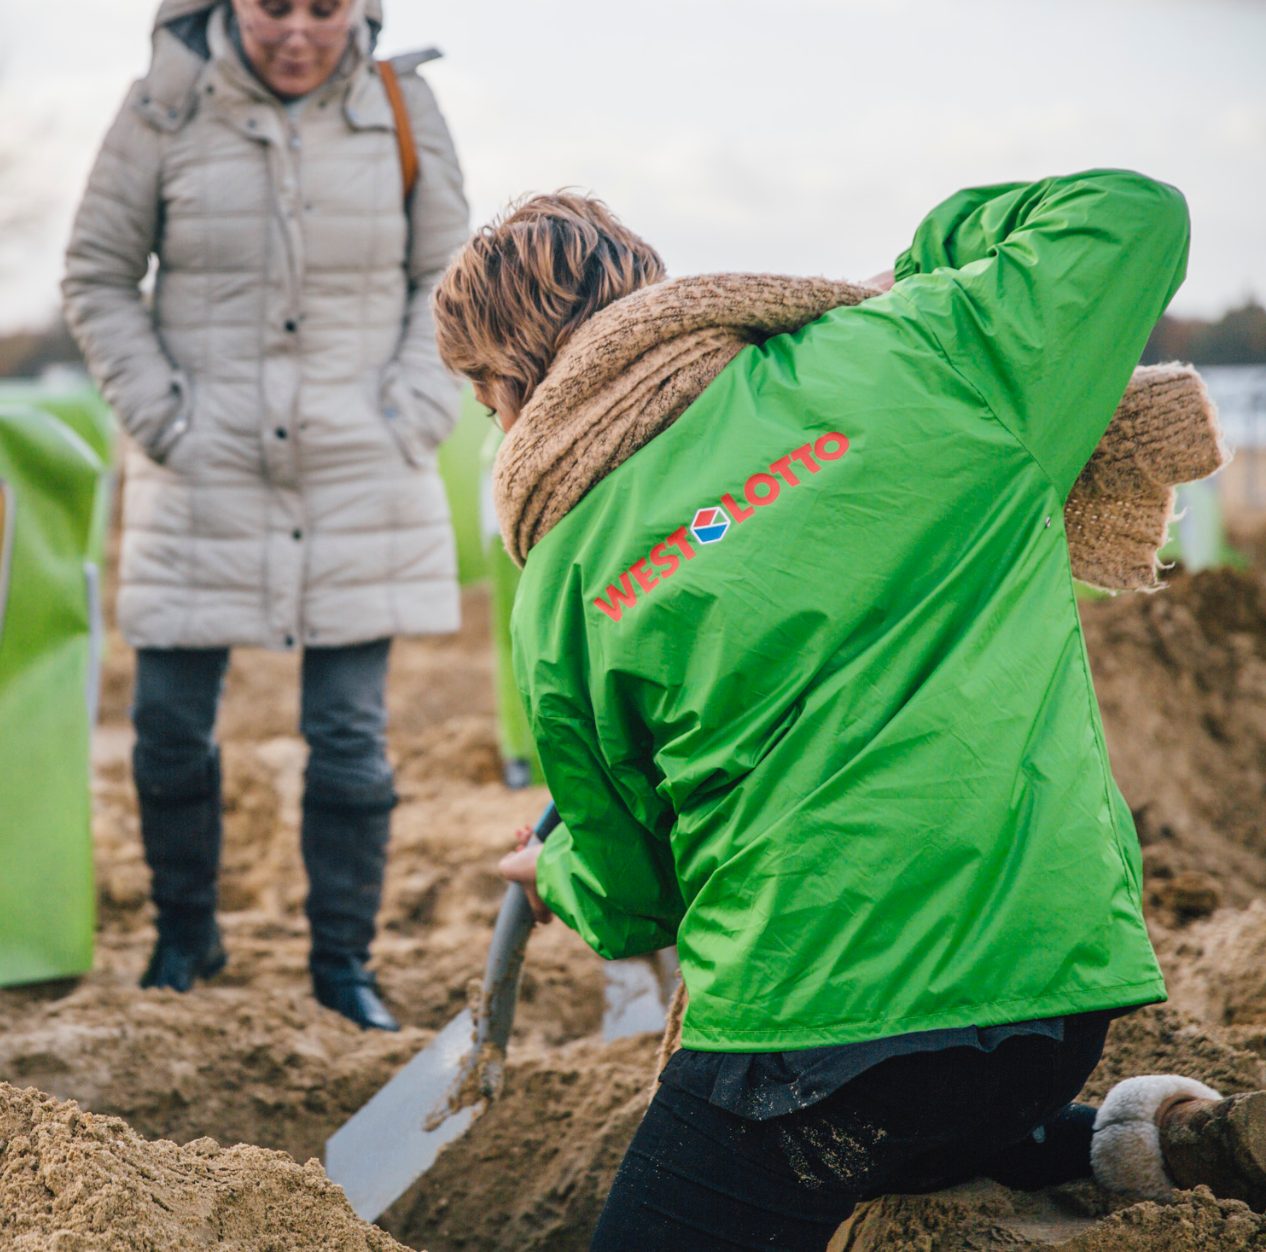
point(522, 285)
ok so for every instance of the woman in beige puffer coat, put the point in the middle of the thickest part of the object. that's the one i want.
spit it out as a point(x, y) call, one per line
point(285, 401)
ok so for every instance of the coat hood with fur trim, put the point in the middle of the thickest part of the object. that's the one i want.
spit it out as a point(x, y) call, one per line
point(181, 52)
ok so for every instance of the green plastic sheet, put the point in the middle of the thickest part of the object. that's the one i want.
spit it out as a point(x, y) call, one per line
point(459, 460)
point(54, 480)
point(465, 460)
point(518, 749)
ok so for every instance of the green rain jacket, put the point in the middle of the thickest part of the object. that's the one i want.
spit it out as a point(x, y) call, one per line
point(806, 672)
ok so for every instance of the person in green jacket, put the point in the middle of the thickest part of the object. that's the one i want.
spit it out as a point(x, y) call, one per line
point(799, 642)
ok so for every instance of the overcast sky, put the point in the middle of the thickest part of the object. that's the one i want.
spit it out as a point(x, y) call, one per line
point(805, 136)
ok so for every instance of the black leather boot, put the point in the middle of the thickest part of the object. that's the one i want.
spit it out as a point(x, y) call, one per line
point(346, 986)
point(181, 832)
point(177, 960)
point(344, 842)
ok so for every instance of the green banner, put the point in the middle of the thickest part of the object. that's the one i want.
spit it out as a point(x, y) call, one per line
point(518, 750)
point(466, 466)
point(459, 468)
point(55, 488)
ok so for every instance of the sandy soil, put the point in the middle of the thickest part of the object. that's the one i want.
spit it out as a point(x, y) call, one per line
point(252, 1060)
point(73, 1180)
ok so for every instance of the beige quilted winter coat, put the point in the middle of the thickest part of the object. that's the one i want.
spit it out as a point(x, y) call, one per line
point(284, 393)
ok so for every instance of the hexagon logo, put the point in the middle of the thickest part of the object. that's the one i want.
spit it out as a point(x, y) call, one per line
point(710, 525)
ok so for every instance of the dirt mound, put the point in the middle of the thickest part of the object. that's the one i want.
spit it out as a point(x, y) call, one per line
point(1182, 679)
point(1216, 971)
point(72, 1181)
point(1163, 1040)
point(534, 1171)
point(1195, 1220)
point(1077, 1218)
point(278, 1072)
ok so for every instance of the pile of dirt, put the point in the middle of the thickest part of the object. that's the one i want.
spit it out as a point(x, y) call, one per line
point(1073, 1218)
point(1164, 1040)
point(251, 1058)
point(1194, 1220)
point(76, 1182)
point(536, 1168)
point(274, 1071)
point(1216, 971)
point(1181, 680)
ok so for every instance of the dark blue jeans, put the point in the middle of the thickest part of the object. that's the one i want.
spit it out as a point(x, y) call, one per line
point(348, 790)
point(700, 1177)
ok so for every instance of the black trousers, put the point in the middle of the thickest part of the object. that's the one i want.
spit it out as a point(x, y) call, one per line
point(347, 800)
point(700, 1177)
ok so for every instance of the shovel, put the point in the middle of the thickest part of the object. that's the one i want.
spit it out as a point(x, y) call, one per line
point(394, 1139)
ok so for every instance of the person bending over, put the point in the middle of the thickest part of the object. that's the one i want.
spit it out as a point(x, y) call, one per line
point(799, 641)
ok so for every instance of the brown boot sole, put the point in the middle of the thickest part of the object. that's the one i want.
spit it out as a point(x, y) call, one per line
point(1220, 1144)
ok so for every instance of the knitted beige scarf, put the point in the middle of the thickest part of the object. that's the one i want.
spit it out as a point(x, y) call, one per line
point(634, 367)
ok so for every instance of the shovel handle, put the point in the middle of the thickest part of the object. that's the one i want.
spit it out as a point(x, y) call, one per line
point(506, 952)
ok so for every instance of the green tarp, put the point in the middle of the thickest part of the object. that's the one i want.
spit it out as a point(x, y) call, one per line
point(54, 481)
point(518, 751)
point(466, 466)
point(459, 468)
point(56, 448)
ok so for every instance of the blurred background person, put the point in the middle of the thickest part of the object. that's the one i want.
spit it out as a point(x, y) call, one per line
point(285, 400)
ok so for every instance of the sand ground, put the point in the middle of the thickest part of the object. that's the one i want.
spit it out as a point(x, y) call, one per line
point(252, 1060)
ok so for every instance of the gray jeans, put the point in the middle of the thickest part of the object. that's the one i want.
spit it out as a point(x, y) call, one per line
point(348, 791)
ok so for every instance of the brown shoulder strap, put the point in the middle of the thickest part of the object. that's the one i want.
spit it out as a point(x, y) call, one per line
point(404, 130)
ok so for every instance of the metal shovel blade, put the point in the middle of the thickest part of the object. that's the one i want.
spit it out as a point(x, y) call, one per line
point(378, 1153)
point(631, 1002)
point(636, 993)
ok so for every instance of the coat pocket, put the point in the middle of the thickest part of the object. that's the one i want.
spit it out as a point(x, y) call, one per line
point(177, 426)
point(398, 407)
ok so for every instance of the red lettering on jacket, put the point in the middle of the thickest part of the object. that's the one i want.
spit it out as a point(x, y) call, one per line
point(771, 485)
point(642, 572)
point(831, 447)
point(805, 457)
point(619, 599)
point(681, 538)
point(665, 559)
point(782, 467)
point(760, 489)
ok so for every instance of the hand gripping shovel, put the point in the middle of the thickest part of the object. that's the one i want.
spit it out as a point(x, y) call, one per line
point(394, 1139)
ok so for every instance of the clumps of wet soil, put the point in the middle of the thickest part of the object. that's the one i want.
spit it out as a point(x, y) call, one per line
point(275, 1071)
point(985, 1217)
point(534, 1170)
point(1216, 971)
point(1193, 1220)
point(1182, 679)
point(1165, 1040)
point(75, 1181)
